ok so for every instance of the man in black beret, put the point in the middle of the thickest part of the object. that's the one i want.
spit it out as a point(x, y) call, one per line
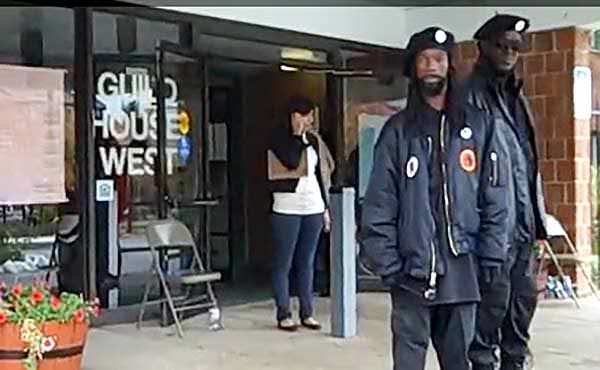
point(435, 210)
point(509, 296)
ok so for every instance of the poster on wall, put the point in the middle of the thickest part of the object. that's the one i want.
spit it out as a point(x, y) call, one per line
point(32, 135)
point(370, 124)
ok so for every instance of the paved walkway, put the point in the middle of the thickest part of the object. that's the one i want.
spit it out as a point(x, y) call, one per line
point(564, 338)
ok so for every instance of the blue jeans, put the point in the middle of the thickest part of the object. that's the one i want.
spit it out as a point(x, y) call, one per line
point(295, 240)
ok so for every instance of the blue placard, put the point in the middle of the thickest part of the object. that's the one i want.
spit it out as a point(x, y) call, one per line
point(184, 148)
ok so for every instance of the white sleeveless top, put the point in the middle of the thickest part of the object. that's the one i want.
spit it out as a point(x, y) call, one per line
point(307, 199)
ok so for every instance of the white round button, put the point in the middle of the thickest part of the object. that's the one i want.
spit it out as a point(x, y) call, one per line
point(440, 36)
point(466, 133)
point(412, 166)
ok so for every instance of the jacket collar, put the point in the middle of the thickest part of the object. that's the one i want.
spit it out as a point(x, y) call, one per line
point(416, 105)
point(510, 83)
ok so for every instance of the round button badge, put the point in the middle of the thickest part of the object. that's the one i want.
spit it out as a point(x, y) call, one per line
point(412, 166)
point(467, 160)
point(466, 133)
point(440, 36)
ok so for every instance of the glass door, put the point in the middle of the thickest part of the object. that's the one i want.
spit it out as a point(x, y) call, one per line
point(182, 175)
point(369, 100)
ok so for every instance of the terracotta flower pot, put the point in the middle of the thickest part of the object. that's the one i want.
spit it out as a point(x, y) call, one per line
point(66, 354)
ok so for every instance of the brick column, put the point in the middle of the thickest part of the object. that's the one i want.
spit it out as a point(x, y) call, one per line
point(564, 143)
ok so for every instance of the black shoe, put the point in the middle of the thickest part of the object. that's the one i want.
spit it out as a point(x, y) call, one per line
point(324, 294)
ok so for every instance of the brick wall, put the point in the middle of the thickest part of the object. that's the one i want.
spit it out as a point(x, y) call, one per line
point(546, 67)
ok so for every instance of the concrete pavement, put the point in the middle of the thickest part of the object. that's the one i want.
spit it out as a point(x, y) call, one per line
point(564, 338)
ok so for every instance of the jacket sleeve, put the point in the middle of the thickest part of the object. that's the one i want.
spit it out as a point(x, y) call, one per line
point(495, 198)
point(287, 148)
point(324, 191)
point(379, 249)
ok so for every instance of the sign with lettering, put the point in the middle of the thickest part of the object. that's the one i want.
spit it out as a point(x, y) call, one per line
point(125, 113)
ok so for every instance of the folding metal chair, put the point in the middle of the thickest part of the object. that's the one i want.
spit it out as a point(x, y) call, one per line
point(557, 231)
point(171, 238)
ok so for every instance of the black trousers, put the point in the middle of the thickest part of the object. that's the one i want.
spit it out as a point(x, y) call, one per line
point(450, 327)
point(505, 313)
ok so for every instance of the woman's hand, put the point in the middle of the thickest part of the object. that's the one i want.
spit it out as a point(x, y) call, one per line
point(327, 221)
point(298, 127)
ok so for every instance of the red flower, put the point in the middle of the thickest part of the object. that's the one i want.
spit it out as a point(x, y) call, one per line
point(55, 303)
point(79, 316)
point(37, 297)
point(3, 317)
point(17, 290)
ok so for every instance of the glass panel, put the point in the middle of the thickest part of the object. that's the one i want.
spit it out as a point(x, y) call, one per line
point(126, 138)
point(125, 117)
point(40, 38)
point(369, 102)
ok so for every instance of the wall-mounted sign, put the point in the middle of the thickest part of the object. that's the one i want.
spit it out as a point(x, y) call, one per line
point(582, 92)
point(126, 113)
point(184, 149)
point(105, 190)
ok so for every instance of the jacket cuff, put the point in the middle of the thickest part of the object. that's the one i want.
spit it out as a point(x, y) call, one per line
point(389, 280)
point(489, 262)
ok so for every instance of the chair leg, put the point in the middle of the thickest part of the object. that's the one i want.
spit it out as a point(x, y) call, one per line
point(585, 275)
point(171, 304)
point(589, 281)
point(542, 260)
point(145, 298)
point(561, 273)
point(215, 304)
point(211, 294)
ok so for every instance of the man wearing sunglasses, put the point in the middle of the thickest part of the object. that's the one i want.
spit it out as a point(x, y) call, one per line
point(509, 294)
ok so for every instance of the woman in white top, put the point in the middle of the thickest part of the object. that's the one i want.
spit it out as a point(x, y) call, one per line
point(299, 212)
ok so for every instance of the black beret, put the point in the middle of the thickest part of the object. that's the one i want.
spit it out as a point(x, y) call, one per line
point(429, 38)
point(499, 24)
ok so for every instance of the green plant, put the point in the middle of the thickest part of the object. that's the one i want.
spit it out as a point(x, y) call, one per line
point(31, 306)
point(595, 275)
point(9, 247)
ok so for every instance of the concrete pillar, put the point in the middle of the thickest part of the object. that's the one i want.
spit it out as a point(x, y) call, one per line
point(343, 264)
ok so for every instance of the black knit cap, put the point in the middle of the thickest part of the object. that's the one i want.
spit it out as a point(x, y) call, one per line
point(499, 24)
point(429, 38)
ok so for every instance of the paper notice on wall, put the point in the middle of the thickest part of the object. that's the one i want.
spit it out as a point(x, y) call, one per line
point(582, 92)
point(32, 136)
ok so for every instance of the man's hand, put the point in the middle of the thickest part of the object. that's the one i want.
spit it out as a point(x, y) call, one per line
point(327, 221)
point(489, 274)
point(489, 271)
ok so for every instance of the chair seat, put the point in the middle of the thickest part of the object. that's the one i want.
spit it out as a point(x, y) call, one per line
point(203, 277)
